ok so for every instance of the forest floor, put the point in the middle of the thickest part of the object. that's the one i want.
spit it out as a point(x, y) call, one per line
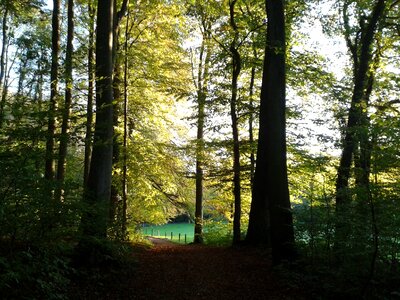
point(172, 271)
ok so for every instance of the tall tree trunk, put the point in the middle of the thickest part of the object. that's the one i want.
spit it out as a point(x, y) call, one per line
point(89, 109)
point(116, 185)
point(270, 222)
point(362, 59)
point(202, 86)
point(98, 187)
point(3, 62)
point(236, 67)
point(38, 100)
point(4, 29)
point(51, 126)
point(198, 225)
point(64, 138)
point(125, 138)
point(251, 121)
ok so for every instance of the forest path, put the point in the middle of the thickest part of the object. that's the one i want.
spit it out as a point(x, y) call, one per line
point(173, 271)
point(169, 271)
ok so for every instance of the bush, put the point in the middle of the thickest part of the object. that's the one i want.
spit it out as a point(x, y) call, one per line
point(33, 273)
point(218, 233)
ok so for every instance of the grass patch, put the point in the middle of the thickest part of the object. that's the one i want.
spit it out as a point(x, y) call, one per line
point(171, 229)
point(216, 233)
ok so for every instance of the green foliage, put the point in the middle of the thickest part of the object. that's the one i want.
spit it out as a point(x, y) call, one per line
point(347, 273)
point(218, 233)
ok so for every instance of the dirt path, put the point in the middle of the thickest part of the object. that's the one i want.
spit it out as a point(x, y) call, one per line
point(171, 271)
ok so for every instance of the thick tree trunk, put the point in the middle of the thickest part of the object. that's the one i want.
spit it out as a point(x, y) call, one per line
point(89, 109)
point(236, 67)
point(361, 70)
point(64, 138)
point(51, 126)
point(117, 184)
point(98, 187)
point(270, 222)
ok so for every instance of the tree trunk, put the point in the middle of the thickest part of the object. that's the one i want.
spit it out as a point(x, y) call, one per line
point(89, 109)
point(22, 76)
point(3, 63)
point(361, 70)
point(115, 198)
point(251, 121)
point(117, 184)
point(202, 86)
point(98, 187)
point(4, 29)
point(51, 126)
point(40, 81)
point(64, 138)
point(6, 83)
point(236, 67)
point(125, 139)
point(270, 222)
point(364, 142)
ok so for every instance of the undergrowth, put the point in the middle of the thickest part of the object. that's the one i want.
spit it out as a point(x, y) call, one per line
point(35, 272)
point(345, 279)
point(38, 271)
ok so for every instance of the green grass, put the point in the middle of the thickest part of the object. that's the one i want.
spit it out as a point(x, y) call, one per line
point(162, 231)
point(215, 232)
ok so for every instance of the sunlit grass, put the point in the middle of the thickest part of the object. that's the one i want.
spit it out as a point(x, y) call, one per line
point(175, 232)
point(215, 232)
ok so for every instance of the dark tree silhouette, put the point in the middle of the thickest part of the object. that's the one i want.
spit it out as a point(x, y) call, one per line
point(270, 222)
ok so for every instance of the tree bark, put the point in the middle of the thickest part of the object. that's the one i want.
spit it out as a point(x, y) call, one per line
point(4, 29)
point(98, 187)
point(51, 126)
point(202, 87)
point(125, 139)
point(361, 70)
point(117, 185)
point(64, 138)
point(270, 222)
point(89, 109)
point(6, 83)
point(236, 68)
point(251, 121)
point(3, 62)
